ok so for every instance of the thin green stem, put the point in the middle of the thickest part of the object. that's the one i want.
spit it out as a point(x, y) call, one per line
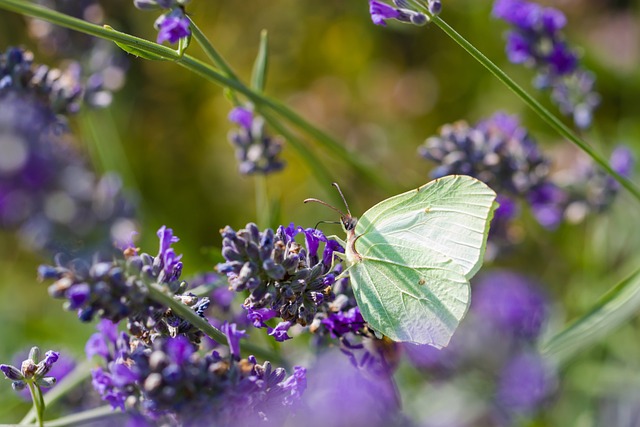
point(532, 103)
point(211, 51)
point(221, 78)
point(157, 293)
point(71, 381)
point(38, 403)
point(86, 417)
point(263, 210)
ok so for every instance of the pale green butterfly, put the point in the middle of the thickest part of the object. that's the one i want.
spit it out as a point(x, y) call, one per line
point(410, 257)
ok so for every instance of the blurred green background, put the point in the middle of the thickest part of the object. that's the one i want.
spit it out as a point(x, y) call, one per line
point(380, 91)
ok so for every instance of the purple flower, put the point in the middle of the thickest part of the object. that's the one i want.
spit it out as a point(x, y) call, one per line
point(179, 349)
point(280, 331)
point(295, 385)
point(172, 27)
point(233, 338)
point(510, 302)
point(346, 397)
point(170, 261)
point(242, 116)
point(342, 322)
point(622, 161)
point(331, 247)
point(524, 383)
point(548, 203)
point(78, 295)
point(380, 12)
point(258, 316)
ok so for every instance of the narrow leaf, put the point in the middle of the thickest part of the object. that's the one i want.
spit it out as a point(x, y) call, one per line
point(135, 51)
point(612, 310)
point(259, 75)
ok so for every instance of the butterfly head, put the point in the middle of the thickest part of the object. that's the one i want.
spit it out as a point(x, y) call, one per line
point(348, 222)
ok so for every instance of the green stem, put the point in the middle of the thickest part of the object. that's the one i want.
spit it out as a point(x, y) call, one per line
point(38, 403)
point(263, 210)
point(156, 293)
point(206, 71)
point(86, 417)
point(71, 381)
point(211, 51)
point(532, 103)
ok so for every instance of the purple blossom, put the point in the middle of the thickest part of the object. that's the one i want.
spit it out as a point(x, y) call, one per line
point(622, 161)
point(172, 27)
point(280, 331)
point(510, 302)
point(179, 349)
point(258, 316)
point(242, 116)
point(295, 385)
point(548, 202)
point(343, 322)
point(233, 337)
point(380, 12)
point(524, 383)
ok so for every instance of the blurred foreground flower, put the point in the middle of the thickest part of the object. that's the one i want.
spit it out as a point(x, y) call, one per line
point(496, 347)
point(403, 12)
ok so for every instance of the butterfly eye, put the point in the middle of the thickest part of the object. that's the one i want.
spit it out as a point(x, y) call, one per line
point(349, 222)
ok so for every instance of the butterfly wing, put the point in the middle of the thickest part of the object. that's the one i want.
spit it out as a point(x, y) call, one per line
point(449, 216)
point(412, 303)
point(419, 249)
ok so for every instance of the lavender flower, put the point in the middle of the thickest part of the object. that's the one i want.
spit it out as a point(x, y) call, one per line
point(295, 283)
point(279, 273)
point(32, 371)
point(536, 41)
point(169, 380)
point(381, 12)
point(99, 64)
point(117, 289)
point(172, 25)
point(256, 152)
point(497, 151)
point(47, 193)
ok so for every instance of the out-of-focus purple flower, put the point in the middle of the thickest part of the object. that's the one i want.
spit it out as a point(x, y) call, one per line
point(346, 397)
point(510, 302)
point(241, 116)
point(380, 12)
point(622, 160)
point(256, 151)
point(548, 202)
point(233, 337)
point(524, 383)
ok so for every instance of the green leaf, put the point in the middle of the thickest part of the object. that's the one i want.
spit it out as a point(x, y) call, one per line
point(612, 310)
point(140, 53)
point(259, 74)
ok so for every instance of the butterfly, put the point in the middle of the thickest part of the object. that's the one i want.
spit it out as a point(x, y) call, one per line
point(410, 257)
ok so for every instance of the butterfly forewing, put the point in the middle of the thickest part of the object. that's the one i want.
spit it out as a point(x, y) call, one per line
point(449, 216)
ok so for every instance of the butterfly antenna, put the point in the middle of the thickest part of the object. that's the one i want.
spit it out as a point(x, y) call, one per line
point(335, 184)
point(326, 204)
